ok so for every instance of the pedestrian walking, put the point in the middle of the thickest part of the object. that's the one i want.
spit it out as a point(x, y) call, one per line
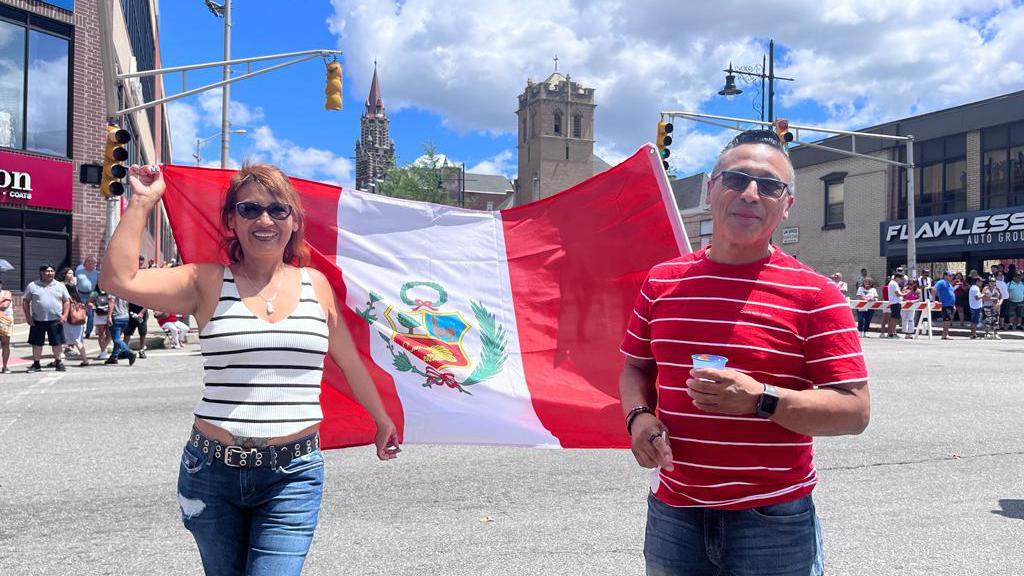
point(138, 320)
point(118, 324)
point(257, 422)
point(945, 294)
point(6, 324)
point(977, 305)
point(991, 298)
point(1004, 296)
point(74, 327)
point(732, 447)
point(1015, 301)
point(100, 303)
point(895, 298)
point(960, 290)
point(46, 303)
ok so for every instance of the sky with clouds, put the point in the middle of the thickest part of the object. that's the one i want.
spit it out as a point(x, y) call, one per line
point(451, 70)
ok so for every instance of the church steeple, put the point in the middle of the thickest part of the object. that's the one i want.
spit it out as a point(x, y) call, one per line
point(375, 151)
point(374, 103)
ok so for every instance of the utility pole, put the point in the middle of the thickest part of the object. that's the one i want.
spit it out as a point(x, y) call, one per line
point(225, 119)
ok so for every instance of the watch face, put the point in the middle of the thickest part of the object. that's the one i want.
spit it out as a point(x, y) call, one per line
point(767, 403)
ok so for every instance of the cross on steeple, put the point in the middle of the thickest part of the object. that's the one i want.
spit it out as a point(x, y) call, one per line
point(556, 62)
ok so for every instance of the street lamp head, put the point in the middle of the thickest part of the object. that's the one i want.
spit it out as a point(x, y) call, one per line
point(730, 89)
point(216, 9)
point(240, 131)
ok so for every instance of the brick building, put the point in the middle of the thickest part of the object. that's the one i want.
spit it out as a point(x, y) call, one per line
point(54, 121)
point(850, 213)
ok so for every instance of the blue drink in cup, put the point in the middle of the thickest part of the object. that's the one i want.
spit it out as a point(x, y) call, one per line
point(708, 361)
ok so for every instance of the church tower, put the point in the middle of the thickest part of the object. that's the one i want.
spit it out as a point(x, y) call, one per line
point(556, 136)
point(375, 152)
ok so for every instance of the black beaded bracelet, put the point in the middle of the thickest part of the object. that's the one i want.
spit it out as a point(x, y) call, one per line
point(632, 416)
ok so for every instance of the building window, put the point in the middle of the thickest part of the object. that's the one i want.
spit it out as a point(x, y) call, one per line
point(706, 227)
point(940, 177)
point(835, 194)
point(29, 239)
point(577, 126)
point(1002, 166)
point(558, 123)
point(34, 95)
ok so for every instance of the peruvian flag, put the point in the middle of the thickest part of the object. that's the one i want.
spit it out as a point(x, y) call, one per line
point(477, 327)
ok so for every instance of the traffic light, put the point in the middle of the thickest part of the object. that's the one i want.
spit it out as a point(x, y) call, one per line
point(113, 155)
point(664, 141)
point(333, 90)
point(782, 131)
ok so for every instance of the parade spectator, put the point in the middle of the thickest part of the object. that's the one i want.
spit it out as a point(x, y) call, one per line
point(259, 417)
point(87, 275)
point(734, 445)
point(118, 323)
point(895, 299)
point(867, 293)
point(911, 295)
point(976, 304)
point(73, 333)
point(837, 278)
point(6, 324)
point(1004, 293)
point(100, 302)
point(946, 295)
point(177, 331)
point(138, 319)
point(1015, 300)
point(991, 298)
point(924, 281)
point(960, 289)
point(861, 278)
point(46, 303)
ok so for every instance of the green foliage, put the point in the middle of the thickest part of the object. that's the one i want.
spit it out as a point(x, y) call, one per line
point(494, 340)
point(417, 181)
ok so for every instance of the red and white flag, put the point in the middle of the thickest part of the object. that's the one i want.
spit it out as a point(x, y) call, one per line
point(477, 327)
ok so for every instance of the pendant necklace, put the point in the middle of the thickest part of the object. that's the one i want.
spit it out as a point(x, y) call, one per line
point(269, 301)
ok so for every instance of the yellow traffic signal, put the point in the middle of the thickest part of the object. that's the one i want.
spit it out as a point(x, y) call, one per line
point(113, 155)
point(663, 141)
point(782, 131)
point(333, 90)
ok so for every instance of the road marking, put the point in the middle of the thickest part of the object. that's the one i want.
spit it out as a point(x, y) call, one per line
point(39, 387)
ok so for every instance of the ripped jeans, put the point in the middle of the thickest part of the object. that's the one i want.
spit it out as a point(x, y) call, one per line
point(254, 521)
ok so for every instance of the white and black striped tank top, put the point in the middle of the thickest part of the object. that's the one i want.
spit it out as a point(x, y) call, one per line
point(262, 379)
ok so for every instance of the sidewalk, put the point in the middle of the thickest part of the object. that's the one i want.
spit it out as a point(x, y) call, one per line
point(21, 352)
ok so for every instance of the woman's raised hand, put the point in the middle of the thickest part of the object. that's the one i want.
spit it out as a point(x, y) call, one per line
point(147, 183)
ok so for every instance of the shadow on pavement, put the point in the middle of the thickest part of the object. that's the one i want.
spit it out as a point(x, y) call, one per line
point(1011, 509)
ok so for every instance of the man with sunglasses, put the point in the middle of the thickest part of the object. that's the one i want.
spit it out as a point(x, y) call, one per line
point(732, 447)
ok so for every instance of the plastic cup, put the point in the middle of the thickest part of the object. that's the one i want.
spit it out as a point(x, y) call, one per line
point(708, 361)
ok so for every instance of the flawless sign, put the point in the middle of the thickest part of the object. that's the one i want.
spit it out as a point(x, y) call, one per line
point(1001, 229)
point(33, 181)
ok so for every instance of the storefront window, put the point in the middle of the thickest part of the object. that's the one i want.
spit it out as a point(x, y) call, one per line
point(34, 85)
point(30, 239)
point(12, 84)
point(1002, 166)
point(940, 180)
point(47, 126)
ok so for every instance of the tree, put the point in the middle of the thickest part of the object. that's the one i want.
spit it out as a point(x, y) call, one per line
point(420, 180)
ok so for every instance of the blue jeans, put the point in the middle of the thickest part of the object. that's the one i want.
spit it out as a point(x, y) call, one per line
point(864, 320)
point(778, 540)
point(256, 521)
point(117, 328)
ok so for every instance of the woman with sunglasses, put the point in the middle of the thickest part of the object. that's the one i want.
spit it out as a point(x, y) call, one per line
point(266, 323)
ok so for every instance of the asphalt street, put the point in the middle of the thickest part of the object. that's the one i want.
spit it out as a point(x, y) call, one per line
point(934, 486)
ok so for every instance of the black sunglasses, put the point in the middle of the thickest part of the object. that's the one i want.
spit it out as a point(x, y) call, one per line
point(767, 187)
point(253, 210)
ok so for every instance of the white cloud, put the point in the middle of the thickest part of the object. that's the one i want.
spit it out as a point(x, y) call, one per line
point(504, 163)
point(863, 61)
point(258, 144)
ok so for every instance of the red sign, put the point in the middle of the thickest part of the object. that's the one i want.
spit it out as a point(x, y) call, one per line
point(33, 181)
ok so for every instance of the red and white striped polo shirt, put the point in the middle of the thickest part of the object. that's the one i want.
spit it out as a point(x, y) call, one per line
point(775, 319)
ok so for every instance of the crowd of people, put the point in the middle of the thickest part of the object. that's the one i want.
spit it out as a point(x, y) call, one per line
point(64, 309)
point(991, 301)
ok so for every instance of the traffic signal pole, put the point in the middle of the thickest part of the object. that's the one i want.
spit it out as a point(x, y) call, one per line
point(225, 107)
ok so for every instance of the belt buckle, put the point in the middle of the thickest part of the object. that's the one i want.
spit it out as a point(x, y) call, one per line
point(243, 454)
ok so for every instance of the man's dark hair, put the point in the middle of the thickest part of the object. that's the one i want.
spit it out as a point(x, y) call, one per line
point(756, 137)
point(44, 267)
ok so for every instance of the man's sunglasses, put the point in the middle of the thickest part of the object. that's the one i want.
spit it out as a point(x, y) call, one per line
point(253, 210)
point(767, 187)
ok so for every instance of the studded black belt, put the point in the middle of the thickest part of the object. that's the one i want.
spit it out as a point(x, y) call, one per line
point(266, 457)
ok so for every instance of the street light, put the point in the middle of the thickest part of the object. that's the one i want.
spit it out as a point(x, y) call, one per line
point(201, 141)
point(224, 11)
point(751, 74)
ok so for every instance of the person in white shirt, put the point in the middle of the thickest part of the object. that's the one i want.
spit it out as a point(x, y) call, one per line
point(837, 278)
point(867, 293)
point(1004, 291)
point(895, 298)
point(974, 299)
